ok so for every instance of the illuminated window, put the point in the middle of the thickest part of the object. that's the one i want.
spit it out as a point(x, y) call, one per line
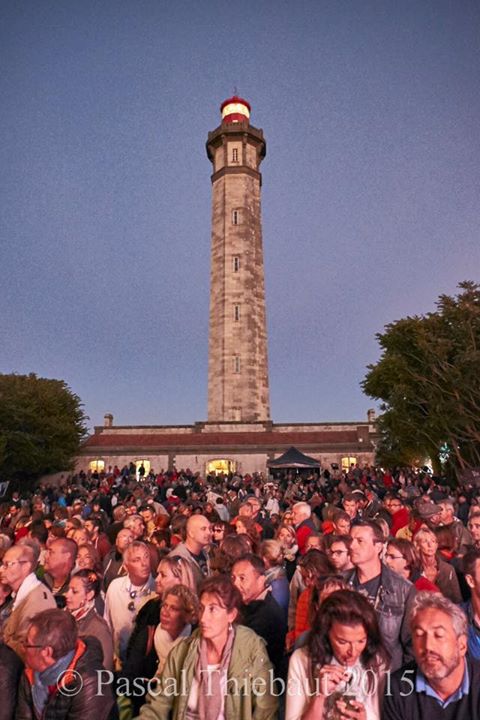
point(236, 313)
point(347, 462)
point(223, 465)
point(235, 155)
point(236, 364)
point(97, 465)
point(146, 465)
point(236, 264)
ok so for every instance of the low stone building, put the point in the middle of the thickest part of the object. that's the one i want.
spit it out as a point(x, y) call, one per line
point(227, 447)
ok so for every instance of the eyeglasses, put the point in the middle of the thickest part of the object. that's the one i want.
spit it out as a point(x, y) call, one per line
point(29, 646)
point(9, 563)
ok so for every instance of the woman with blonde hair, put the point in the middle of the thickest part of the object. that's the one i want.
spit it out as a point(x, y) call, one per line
point(287, 538)
point(271, 552)
point(434, 568)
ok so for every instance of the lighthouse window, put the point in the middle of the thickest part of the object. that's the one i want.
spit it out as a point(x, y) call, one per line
point(236, 264)
point(236, 364)
point(235, 155)
point(236, 313)
point(237, 216)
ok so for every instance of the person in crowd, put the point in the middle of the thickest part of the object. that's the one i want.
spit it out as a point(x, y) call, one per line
point(342, 522)
point(217, 656)
point(88, 559)
point(438, 571)
point(246, 511)
point(471, 569)
point(286, 536)
point(60, 681)
point(6, 603)
point(463, 539)
point(340, 672)
point(119, 514)
point(135, 524)
point(303, 523)
point(80, 536)
point(126, 595)
point(99, 539)
point(248, 526)
point(82, 591)
point(220, 530)
point(17, 571)
point(351, 505)
point(271, 553)
point(442, 682)
point(149, 646)
point(314, 542)
point(313, 565)
point(337, 548)
point(11, 668)
point(113, 566)
point(231, 549)
point(402, 557)
point(389, 593)
point(194, 549)
point(399, 514)
point(474, 528)
point(260, 611)
point(261, 518)
point(59, 563)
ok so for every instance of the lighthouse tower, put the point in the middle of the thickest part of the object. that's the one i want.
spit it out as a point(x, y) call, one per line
point(237, 360)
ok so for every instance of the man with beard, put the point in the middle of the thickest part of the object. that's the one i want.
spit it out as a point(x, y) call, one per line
point(443, 682)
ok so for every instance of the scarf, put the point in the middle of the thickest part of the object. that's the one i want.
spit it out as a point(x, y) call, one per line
point(163, 643)
point(83, 610)
point(46, 679)
point(210, 692)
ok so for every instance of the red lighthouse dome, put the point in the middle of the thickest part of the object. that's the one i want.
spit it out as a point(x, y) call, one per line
point(235, 109)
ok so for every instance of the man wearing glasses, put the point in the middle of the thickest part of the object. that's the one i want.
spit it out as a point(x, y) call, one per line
point(61, 672)
point(30, 595)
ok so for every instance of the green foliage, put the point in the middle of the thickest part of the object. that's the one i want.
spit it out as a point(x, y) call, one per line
point(41, 426)
point(428, 379)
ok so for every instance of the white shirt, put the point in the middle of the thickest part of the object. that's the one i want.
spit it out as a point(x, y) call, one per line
point(117, 613)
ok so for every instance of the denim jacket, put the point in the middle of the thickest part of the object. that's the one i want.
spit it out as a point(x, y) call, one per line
point(394, 598)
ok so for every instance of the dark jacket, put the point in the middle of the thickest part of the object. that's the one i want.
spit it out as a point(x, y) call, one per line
point(10, 673)
point(394, 600)
point(142, 659)
point(71, 705)
point(267, 619)
point(401, 700)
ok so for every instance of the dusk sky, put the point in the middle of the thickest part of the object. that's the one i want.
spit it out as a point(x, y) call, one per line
point(370, 194)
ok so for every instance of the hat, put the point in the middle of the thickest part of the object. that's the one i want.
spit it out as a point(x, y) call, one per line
point(427, 510)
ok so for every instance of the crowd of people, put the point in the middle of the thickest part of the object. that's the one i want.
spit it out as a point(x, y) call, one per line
point(337, 595)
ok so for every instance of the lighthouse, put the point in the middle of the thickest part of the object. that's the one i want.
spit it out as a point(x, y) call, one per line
point(238, 358)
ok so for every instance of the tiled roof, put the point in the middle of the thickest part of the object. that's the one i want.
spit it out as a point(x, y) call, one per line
point(220, 439)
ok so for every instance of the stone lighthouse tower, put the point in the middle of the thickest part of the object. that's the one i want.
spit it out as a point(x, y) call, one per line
point(237, 360)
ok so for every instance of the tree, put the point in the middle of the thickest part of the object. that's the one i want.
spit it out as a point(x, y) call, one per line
point(42, 424)
point(428, 379)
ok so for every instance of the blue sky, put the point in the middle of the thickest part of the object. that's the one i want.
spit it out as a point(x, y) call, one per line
point(370, 189)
